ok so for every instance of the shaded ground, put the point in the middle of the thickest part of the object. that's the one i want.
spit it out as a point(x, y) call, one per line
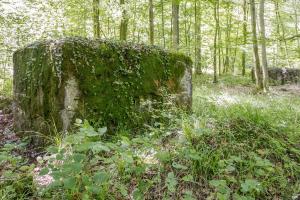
point(7, 134)
point(293, 90)
point(6, 127)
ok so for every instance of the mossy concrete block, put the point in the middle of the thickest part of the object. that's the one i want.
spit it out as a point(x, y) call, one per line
point(104, 82)
point(284, 76)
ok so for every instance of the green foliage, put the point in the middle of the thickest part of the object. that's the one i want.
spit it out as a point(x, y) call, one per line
point(16, 178)
point(221, 151)
point(249, 149)
point(73, 165)
point(6, 88)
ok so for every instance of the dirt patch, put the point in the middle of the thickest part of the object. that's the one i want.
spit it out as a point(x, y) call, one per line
point(6, 127)
point(292, 90)
point(282, 90)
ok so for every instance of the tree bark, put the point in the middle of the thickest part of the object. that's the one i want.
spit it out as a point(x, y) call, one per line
point(296, 26)
point(228, 40)
point(263, 45)
point(163, 23)
point(198, 37)
point(96, 22)
point(175, 24)
point(258, 73)
point(280, 24)
point(151, 22)
point(124, 22)
point(219, 42)
point(216, 10)
point(244, 38)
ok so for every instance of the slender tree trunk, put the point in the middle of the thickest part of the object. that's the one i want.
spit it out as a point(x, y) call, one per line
point(96, 22)
point(124, 22)
point(151, 22)
point(220, 49)
point(108, 27)
point(280, 24)
point(198, 37)
point(175, 24)
point(235, 49)
point(244, 38)
point(263, 45)
point(163, 23)
point(228, 39)
point(189, 35)
point(216, 10)
point(185, 25)
point(219, 42)
point(134, 28)
point(258, 73)
point(296, 26)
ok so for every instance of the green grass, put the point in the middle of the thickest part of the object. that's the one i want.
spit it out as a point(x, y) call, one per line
point(248, 136)
point(234, 145)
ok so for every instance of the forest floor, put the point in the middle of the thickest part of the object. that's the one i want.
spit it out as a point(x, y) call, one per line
point(235, 144)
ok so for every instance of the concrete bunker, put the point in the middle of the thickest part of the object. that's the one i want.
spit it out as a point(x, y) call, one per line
point(56, 81)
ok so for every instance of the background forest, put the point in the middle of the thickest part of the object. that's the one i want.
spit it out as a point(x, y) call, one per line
point(199, 24)
point(235, 143)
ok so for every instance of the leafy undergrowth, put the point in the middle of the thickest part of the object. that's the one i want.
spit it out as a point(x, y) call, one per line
point(234, 145)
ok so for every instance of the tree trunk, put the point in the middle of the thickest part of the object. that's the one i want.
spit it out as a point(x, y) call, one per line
point(279, 21)
point(175, 24)
point(216, 10)
point(296, 26)
point(263, 45)
point(151, 22)
point(235, 49)
point(96, 22)
point(124, 22)
point(258, 73)
point(219, 42)
point(198, 37)
point(244, 38)
point(163, 23)
point(228, 40)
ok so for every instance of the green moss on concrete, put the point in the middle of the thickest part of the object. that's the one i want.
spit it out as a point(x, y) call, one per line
point(112, 78)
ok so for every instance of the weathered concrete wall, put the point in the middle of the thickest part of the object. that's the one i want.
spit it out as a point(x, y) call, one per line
point(284, 75)
point(281, 76)
point(105, 82)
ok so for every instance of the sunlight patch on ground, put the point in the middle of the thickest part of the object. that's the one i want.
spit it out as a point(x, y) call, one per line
point(226, 98)
point(148, 157)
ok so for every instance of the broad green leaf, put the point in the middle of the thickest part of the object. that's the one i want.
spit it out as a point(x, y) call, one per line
point(101, 177)
point(52, 149)
point(93, 189)
point(72, 168)
point(163, 156)
point(44, 171)
point(101, 131)
point(171, 182)
point(250, 185)
point(188, 178)
point(220, 185)
point(69, 183)
point(78, 157)
point(178, 166)
point(99, 147)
